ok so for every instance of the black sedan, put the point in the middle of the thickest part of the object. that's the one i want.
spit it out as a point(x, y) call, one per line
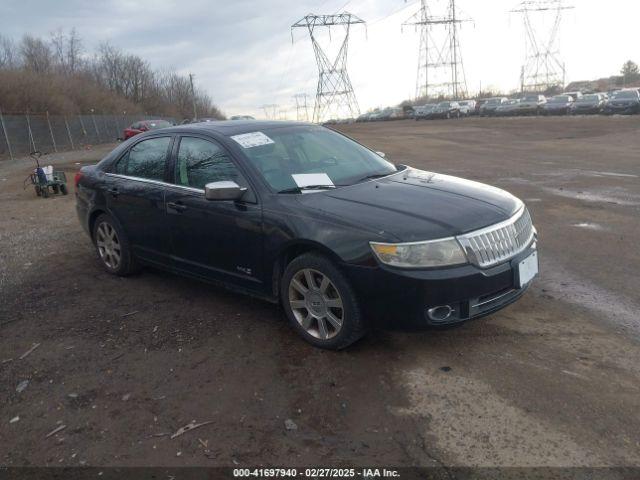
point(558, 105)
point(624, 102)
point(589, 104)
point(304, 216)
point(446, 110)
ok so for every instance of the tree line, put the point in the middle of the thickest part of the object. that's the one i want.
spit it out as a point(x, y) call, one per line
point(57, 74)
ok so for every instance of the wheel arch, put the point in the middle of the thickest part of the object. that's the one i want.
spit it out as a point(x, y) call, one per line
point(293, 250)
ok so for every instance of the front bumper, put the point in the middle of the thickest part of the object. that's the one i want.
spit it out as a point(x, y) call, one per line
point(407, 295)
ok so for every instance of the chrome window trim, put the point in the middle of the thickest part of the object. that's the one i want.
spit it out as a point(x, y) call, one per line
point(155, 182)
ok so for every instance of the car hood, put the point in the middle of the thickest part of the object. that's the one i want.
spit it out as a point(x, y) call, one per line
point(415, 205)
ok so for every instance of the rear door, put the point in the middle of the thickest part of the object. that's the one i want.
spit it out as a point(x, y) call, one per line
point(220, 240)
point(135, 196)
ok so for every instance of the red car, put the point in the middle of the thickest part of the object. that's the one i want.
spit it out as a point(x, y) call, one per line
point(144, 126)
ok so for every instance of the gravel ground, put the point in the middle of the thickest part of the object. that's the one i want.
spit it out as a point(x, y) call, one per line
point(122, 364)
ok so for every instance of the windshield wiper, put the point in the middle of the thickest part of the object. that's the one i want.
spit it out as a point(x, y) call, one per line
point(307, 187)
point(373, 176)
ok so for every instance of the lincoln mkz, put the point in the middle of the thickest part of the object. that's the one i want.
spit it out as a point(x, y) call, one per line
point(304, 216)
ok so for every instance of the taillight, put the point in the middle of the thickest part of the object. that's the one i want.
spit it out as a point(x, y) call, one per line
point(76, 179)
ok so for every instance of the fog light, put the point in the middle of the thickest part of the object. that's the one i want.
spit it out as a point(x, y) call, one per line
point(440, 313)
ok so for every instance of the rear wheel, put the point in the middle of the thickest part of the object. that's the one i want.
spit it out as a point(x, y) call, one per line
point(113, 247)
point(63, 189)
point(38, 191)
point(44, 191)
point(320, 303)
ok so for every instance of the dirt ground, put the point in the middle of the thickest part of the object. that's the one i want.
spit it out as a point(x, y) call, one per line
point(552, 380)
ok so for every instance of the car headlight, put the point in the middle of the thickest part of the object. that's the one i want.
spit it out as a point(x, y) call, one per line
point(434, 253)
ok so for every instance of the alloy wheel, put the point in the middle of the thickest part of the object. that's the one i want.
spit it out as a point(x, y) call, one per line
point(108, 245)
point(316, 303)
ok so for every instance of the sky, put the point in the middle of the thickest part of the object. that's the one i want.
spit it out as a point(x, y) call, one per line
point(243, 53)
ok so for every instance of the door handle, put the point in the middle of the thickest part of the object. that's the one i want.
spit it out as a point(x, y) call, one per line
point(114, 192)
point(178, 207)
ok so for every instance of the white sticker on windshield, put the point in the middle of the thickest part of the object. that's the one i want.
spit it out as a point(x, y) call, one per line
point(253, 139)
point(308, 179)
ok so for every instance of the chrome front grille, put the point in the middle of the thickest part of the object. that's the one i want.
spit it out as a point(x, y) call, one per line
point(497, 243)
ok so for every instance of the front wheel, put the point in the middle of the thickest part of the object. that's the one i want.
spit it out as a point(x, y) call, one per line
point(320, 303)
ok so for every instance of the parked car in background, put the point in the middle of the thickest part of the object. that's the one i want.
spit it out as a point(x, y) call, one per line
point(558, 105)
point(205, 120)
point(507, 109)
point(446, 110)
point(592, 103)
point(391, 113)
point(489, 107)
point(376, 115)
point(242, 117)
point(364, 117)
point(144, 126)
point(574, 95)
point(424, 112)
point(531, 104)
point(623, 102)
point(479, 103)
point(266, 208)
point(467, 107)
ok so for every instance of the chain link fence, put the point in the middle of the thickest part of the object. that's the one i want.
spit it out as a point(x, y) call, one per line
point(22, 133)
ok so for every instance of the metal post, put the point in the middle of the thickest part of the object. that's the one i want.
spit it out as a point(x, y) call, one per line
point(53, 140)
point(6, 135)
point(33, 143)
point(66, 124)
point(95, 125)
point(84, 130)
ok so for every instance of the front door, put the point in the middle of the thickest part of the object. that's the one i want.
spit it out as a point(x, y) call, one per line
point(135, 196)
point(220, 240)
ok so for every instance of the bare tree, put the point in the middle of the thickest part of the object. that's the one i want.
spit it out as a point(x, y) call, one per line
point(36, 54)
point(8, 54)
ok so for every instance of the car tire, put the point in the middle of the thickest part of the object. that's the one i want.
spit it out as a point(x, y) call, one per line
point(63, 189)
point(313, 310)
point(113, 247)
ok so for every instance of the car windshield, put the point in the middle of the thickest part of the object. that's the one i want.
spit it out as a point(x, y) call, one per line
point(561, 99)
point(625, 94)
point(293, 157)
point(155, 124)
point(533, 98)
point(494, 101)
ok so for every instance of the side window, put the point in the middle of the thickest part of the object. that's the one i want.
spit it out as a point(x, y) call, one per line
point(145, 159)
point(201, 162)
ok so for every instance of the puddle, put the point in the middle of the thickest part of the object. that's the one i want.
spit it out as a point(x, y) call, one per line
point(592, 197)
point(611, 174)
point(615, 309)
point(590, 226)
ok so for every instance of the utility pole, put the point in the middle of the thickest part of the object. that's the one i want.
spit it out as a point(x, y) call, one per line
point(335, 97)
point(543, 67)
point(193, 96)
point(440, 67)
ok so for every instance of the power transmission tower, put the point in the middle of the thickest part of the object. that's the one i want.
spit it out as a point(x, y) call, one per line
point(302, 111)
point(270, 111)
point(440, 68)
point(543, 67)
point(334, 96)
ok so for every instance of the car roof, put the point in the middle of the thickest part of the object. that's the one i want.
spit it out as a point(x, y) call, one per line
point(233, 127)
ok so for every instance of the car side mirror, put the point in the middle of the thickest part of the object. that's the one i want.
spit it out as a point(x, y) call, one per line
point(381, 154)
point(226, 190)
